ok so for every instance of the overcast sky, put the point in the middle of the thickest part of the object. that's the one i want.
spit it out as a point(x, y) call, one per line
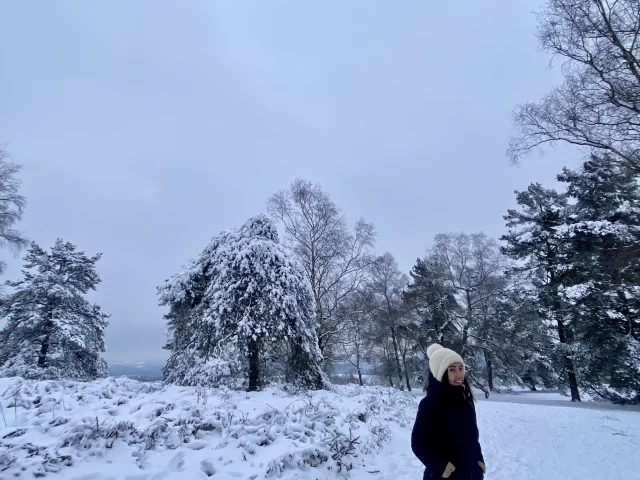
point(146, 127)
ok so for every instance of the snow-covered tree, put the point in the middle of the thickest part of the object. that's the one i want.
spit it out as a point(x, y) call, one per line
point(533, 240)
point(243, 308)
point(471, 263)
point(358, 310)
point(581, 249)
point(12, 205)
point(434, 302)
point(602, 273)
point(514, 338)
point(52, 330)
point(390, 312)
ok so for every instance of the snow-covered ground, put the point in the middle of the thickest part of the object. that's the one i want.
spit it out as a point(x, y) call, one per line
point(123, 429)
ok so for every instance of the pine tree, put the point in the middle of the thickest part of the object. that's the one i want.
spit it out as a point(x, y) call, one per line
point(52, 331)
point(533, 238)
point(514, 338)
point(434, 302)
point(602, 274)
point(247, 308)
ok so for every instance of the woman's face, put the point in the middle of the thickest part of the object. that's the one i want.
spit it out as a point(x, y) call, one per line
point(455, 373)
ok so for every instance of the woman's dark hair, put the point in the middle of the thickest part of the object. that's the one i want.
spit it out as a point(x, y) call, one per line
point(468, 393)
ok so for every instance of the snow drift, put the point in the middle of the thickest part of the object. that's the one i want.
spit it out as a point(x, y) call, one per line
point(121, 429)
point(128, 427)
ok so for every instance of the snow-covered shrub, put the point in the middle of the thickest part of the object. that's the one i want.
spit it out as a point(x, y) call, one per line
point(224, 368)
point(53, 424)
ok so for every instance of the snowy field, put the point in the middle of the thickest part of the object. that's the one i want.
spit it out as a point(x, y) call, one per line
point(123, 429)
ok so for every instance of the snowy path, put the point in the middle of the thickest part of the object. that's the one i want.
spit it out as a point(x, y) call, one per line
point(534, 442)
point(396, 460)
point(549, 399)
point(556, 400)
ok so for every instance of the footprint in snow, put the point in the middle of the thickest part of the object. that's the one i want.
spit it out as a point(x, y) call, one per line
point(177, 462)
point(207, 467)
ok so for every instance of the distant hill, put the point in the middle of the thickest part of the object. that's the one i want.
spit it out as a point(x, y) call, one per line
point(144, 372)
point(141, 371)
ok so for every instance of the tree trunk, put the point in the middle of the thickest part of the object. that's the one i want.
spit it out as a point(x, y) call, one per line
point(436, 328)
point(562, 337)
point(487, 359)
point(316, 295)
point(397, 357)
point(44, 347)
point(358, 367)
point(42, 355)
point(388, 369)
point(474, 381)
point(254, 365)
point(465, 329)
point(406, 370)
point(568, 364)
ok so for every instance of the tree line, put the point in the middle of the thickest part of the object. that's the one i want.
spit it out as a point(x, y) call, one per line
point(552, 303)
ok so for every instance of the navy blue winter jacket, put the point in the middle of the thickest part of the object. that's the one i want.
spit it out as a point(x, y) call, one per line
point(446, 431)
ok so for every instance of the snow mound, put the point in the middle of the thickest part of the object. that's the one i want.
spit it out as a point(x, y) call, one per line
point(128, 429)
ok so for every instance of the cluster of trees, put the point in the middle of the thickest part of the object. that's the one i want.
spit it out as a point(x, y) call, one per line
point(51, 330)
point(554, 302)
point(579, 250)
point(461, 294)
point(581, 245)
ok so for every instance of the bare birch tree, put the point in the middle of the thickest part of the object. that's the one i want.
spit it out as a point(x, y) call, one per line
point(334, 257)
point(357, 344)
point(12, 205)
point(471, 263)
point(387, 284)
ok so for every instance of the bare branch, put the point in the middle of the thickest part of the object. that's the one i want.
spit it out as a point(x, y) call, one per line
point(598, 105)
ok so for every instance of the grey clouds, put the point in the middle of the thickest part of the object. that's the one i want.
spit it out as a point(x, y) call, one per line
point(146, 127)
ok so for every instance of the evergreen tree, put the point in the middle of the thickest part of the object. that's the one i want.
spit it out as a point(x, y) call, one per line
point(435, 304)
point(534, 240)
point(602, 274)
point(514, 339)
point(52, 331)
point(246, 306)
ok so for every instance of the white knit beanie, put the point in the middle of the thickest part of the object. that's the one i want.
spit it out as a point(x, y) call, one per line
point(440, 359)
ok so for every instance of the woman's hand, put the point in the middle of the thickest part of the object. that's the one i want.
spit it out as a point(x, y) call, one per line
point(449, 470)
point(483, 467)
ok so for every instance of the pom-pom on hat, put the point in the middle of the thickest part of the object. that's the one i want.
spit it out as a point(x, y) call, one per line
point(440, 359)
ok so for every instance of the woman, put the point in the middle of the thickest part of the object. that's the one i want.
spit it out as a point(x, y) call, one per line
point(445, 436)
